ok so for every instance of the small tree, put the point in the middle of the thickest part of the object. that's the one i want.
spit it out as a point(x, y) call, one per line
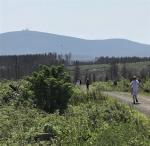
point(51, 87)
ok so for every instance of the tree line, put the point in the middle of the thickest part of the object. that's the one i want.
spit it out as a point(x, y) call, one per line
point(15, 67)
point(109, 60)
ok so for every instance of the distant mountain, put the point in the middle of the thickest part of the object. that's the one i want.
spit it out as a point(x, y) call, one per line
point(32, 42)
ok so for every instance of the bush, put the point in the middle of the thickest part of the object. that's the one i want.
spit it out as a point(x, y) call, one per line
point(146, 86)
point(51, 88)
point(82, 96)
point(104, 86)
point(122, 85)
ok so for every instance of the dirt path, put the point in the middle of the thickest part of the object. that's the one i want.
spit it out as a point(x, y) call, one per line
point(144, 101)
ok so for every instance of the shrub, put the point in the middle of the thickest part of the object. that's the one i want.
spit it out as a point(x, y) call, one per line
point(146, 86)
point(122, 85)
point(82, 96)
point(103, 86)
point(51, 87)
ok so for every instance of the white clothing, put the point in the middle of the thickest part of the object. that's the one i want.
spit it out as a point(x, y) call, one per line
point(78, 83)
point(134, 86)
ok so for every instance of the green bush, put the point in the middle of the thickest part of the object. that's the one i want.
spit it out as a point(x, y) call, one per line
point(104, 86)
point(16, 93)
point(146, 86)
point(51, 88)
point(122, 85)
point(82, 96)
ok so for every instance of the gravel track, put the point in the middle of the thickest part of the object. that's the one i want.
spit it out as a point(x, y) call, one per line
point(144, 101)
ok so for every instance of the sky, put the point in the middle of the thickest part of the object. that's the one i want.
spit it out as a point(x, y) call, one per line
point(89, 19)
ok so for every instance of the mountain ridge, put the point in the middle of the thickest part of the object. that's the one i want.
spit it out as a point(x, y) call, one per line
point(33, 42)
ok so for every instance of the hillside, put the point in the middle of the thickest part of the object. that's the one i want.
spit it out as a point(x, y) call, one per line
point(101, 70)
point(32, 42)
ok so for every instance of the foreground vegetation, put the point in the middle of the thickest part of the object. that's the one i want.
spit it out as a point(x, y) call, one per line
point(88, 118)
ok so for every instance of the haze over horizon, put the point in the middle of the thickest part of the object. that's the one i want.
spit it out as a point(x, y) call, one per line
point(85, 19)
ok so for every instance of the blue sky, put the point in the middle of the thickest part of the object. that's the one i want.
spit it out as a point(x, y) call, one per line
point(90, 19)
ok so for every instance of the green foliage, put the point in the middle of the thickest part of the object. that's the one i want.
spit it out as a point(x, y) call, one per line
point(146, 86)
point(89, 119)
point(79, 95)
point(51, 88)
point(90, 123)
point(122, 85)
point(104, 86)
point(16, 124)
point(16, 93)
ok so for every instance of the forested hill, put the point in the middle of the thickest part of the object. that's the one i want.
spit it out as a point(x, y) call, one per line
point(31, 42)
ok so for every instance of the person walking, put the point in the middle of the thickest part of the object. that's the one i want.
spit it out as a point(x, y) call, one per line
point(134, 89)
point(87, 82)
point(80, 82)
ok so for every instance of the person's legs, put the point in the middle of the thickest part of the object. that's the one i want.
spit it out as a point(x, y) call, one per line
point(87, 86)
point(136, 98)
point(133, 99)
